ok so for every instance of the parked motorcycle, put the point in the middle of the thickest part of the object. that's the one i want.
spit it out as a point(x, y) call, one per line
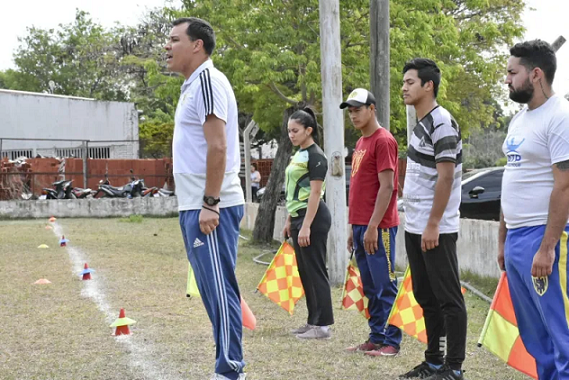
point(164, 193)
point(130, 190)
point(106, 190)
point(156, 192)
point(62, 190)
point(81, 193)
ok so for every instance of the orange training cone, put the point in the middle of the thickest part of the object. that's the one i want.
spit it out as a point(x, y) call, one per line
point(48, 227)
point(249, 319)
point(122, 324)
point(87, 272)
point(52, 219)
point(42, 281)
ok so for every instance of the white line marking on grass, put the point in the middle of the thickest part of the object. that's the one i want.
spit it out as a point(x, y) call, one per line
point(140, 354)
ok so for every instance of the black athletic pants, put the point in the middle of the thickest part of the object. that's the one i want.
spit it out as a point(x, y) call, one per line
point(436, 285)
point(312, 266)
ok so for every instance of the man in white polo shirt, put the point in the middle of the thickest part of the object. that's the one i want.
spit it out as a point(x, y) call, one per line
point(210, 199)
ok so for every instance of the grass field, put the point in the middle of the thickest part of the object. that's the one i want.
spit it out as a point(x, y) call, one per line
point(61, 330)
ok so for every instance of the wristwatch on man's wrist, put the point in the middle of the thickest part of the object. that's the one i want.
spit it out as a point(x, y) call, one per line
point(211, 201)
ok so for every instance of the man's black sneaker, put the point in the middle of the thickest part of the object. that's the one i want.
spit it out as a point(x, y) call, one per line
point(422, 371)
point(447, 373)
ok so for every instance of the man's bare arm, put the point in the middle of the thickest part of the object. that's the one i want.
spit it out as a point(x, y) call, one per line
point(386, 186)
point(558, 206)
point(502, 232)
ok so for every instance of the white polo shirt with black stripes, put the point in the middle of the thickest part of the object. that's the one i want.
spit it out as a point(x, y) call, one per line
point(436, 138)
point(206, 92)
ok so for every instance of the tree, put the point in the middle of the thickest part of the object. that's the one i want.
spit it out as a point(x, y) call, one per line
point(8, 79)
point(156, 136)
point(79, 58)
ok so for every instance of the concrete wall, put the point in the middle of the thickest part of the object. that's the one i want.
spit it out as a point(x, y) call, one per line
point(35, 115)
point(89, 208)
point(477, 246)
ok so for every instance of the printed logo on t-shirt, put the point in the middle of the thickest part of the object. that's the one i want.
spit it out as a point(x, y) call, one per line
point(514, 156)
point(357, 158)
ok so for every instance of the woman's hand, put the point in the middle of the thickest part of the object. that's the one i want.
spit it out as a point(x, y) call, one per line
point(304, 236)
point(286, 229)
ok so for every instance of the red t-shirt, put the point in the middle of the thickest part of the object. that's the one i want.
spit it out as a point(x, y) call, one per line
point(373, 155)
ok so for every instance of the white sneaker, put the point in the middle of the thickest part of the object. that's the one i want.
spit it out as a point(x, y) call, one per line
point(316, 332)
point(301, 329)
point(217, 376)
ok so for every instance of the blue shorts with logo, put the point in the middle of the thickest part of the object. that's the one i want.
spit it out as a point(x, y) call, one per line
point(541, 304)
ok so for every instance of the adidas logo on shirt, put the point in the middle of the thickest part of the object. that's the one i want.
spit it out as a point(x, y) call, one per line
point(198, 243)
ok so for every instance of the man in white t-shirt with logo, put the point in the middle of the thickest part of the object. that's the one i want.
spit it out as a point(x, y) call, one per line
point(206, 171)
point(535, 207)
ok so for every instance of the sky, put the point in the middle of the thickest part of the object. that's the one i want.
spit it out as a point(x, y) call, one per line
point(546, 22)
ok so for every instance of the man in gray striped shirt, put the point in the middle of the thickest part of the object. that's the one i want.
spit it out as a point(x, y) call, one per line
point(432, 199)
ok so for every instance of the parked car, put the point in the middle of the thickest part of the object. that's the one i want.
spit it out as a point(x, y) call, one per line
point(282, 198)
point(481, 193)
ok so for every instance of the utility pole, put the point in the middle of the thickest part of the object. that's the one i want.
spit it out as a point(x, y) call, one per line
point(379, 58)
point(331, 72)
point(556, 45)
point(411, 122)
point(249, 133)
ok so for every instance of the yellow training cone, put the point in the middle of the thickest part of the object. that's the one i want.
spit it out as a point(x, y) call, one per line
point(43, 246)
point(122, 323)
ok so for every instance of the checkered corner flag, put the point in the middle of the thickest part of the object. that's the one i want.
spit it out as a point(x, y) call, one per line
point(281, 282)
point(353, 297)
point(406, 312)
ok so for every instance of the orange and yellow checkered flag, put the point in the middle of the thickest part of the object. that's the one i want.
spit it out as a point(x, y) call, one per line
point(406, 312)
point(353, 297)
point(281, 282)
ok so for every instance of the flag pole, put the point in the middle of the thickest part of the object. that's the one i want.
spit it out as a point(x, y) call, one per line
point(492, 306)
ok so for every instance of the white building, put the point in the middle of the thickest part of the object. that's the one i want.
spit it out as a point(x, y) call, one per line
point(34, 124)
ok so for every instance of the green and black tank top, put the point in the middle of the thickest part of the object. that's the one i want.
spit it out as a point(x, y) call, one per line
point(307, 165)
